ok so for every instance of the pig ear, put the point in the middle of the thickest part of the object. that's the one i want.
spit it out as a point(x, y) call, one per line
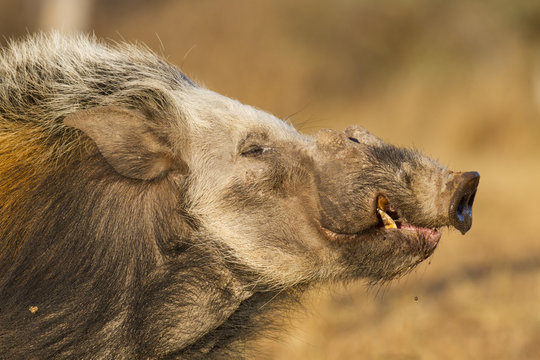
point(125, 140)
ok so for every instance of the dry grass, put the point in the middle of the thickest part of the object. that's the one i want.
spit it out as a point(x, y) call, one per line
point(456, 80)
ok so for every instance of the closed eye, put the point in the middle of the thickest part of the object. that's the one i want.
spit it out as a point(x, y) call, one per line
point(255, 150)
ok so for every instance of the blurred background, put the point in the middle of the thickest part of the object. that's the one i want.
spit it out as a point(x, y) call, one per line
point(459, 80)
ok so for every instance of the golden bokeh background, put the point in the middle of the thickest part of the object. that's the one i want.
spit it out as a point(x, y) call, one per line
point(458, 80)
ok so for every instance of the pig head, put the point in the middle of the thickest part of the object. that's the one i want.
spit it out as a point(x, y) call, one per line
point(290, 208)
point(330, 206)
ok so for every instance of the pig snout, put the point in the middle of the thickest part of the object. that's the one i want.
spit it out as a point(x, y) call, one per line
point(357, 162)
point(461, 202)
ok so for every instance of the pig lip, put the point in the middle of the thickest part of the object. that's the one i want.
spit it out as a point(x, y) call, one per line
point(389, 223)
point(428, 237)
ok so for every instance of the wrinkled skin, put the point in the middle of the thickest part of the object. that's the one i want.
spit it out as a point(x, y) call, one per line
point(143, 216)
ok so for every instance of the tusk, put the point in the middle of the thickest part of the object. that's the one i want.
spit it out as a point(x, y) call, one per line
point(382, 203)
point(388, 222)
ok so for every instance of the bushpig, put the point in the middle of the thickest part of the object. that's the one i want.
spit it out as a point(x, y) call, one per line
point(144, 216)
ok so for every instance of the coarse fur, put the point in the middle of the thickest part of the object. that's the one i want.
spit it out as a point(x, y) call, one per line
point(143, 216)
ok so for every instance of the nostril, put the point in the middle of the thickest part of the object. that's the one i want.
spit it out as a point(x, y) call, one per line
point(462, 201)
point(464, 208)
point(353, 139)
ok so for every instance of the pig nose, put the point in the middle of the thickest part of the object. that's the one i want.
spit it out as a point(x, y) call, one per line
point(460, 211)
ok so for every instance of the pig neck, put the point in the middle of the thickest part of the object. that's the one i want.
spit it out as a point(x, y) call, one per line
point(183, 295)
point(217, 316)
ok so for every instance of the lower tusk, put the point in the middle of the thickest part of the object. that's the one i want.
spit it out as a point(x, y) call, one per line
point(387, 220)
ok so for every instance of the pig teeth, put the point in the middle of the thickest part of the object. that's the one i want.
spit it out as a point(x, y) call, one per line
point(382, 203)
point(388, 222)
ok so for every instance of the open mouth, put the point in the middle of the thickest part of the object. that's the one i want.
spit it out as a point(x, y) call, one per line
point(389, 221)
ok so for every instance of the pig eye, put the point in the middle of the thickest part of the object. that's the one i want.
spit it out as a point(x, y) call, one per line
point(255, 150)
point(354, 140)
